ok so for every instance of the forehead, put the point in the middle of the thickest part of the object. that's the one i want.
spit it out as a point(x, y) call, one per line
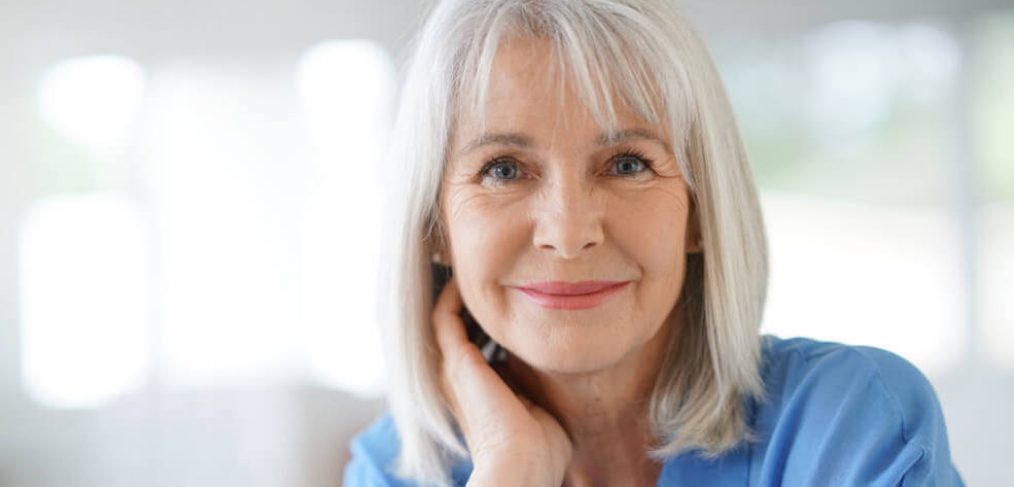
point(530, 85)
point(526, 66)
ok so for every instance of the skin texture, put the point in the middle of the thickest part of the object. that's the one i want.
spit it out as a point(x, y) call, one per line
point(562, 202)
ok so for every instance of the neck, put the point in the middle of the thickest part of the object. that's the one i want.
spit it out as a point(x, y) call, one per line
point(605, 413)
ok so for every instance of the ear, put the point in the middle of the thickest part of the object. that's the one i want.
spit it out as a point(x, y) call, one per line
point(693, 243)
point(440, 258)
point(437, 245)
point(438, 254)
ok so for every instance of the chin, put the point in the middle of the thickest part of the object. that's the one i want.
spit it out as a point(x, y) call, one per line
point(570, 355)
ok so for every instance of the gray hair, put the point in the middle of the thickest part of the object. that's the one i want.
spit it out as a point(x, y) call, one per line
point(645, 51)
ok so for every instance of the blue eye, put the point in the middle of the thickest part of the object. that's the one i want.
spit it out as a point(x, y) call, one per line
point(629, 165)
point(501, 170)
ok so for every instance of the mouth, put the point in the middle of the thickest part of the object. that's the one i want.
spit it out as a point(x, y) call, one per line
point(571, 295)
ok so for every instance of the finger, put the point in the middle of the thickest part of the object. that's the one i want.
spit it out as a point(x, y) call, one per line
point(449, 330)
point(466, 377)
point(448, 326)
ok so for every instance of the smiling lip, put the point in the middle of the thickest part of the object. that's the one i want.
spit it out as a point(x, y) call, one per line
point(571, 295)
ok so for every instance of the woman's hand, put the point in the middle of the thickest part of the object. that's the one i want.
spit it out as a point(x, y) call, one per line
point(511, 440)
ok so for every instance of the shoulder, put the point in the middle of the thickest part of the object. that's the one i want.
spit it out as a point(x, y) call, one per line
point(374, 452)
point(849, 414)
point(819, 366)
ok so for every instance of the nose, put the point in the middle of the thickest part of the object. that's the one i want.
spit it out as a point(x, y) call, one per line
point(568, 220)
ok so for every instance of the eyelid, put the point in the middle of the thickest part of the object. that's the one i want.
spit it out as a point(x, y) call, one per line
point(489, 164)
point(497, 160)
point(649, 164)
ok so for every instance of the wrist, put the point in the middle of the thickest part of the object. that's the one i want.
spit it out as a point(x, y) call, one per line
point(512, 471)
point(504, 477)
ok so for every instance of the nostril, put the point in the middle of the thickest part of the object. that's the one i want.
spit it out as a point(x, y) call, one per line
point(566, 250)
point(568, 233)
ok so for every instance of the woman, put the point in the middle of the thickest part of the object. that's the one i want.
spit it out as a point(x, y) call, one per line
point(574, 165)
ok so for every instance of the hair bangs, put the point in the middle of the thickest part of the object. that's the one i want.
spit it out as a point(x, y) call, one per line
point(605, 54)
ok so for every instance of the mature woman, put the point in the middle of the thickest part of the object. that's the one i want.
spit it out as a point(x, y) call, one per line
point(575, 166)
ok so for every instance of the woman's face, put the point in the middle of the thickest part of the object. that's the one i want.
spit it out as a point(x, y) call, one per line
point(568, 243)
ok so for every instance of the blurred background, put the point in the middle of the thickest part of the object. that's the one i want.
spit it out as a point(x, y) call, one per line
point(189, 214)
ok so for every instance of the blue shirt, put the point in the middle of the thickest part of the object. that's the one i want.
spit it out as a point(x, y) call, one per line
point(834, 415)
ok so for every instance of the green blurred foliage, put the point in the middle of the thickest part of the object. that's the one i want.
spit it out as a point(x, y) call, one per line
point(993, 120)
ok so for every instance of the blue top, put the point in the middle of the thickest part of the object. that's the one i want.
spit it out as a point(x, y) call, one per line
point(834, 415)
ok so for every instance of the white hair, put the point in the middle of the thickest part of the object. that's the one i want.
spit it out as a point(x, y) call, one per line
point(647, 53)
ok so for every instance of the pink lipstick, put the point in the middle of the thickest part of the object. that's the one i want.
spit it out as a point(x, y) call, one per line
point(571, 295)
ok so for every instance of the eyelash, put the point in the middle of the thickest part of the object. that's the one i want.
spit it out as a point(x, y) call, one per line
point(484, 173)
point(636, 154)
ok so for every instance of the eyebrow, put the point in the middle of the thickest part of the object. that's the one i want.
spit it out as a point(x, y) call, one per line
point(522, 141)
point(610, 138)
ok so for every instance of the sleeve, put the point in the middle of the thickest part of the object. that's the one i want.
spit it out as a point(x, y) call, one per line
point(859, 416)
point(922, 420)
point(360, 473)
point(373, 452)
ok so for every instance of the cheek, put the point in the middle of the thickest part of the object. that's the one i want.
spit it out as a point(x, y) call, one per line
point(483, 231)
point(486, 240)
point(650, 227)
point(650, 230)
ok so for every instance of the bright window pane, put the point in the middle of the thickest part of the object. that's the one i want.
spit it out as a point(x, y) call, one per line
point(996, 279)
point(867, 275)
point(92, 100)
point(342, 218)
point(84, 300)
point(220, 161)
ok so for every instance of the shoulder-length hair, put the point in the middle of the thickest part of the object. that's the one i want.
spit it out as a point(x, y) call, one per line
point(646, 53)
